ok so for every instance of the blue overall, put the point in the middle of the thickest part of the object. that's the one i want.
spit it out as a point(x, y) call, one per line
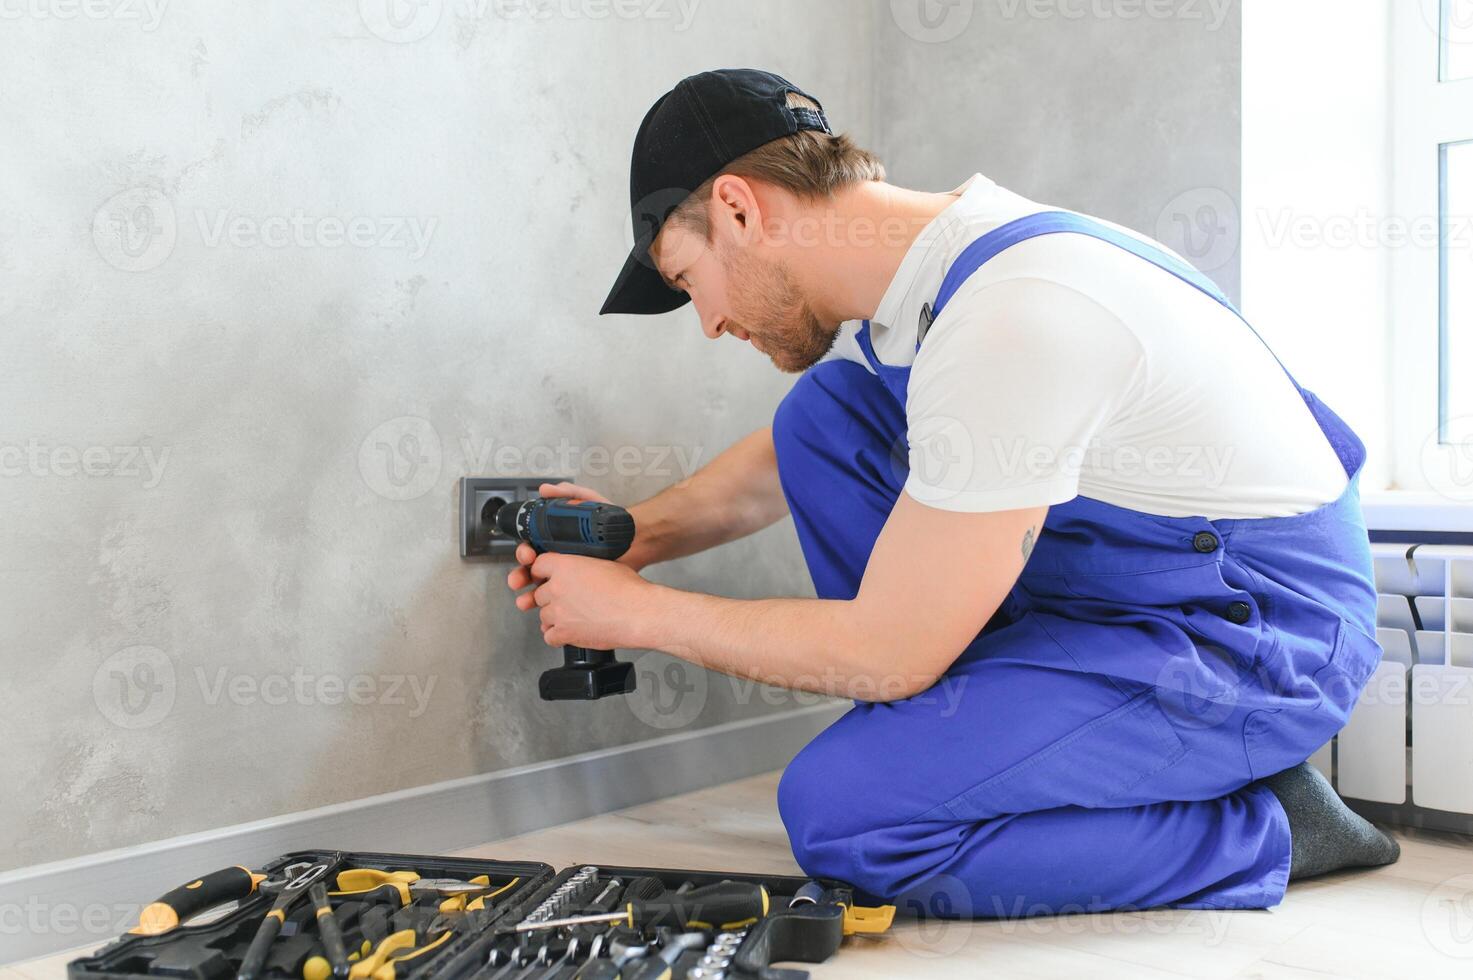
point(1096, 746)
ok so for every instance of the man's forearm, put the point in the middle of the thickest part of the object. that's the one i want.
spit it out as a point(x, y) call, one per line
point(933, 580)
point(734, 495)
point(828, 646)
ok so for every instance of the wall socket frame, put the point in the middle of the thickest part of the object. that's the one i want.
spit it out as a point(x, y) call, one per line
point(480, 498)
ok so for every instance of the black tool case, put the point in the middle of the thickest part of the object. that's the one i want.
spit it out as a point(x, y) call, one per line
point(483, 944)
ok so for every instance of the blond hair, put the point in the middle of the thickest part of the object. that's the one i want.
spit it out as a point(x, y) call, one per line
point(809, 164)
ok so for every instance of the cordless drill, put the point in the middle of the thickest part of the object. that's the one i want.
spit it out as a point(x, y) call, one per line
point(593, 530)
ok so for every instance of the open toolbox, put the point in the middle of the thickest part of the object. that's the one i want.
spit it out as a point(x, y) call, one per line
point(408, 917)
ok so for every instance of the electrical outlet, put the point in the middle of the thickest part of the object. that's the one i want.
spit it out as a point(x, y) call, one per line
point(480, 498)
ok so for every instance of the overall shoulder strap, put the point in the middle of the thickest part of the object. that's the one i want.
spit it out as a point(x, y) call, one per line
point(975, 255)
point(1057, 222)
point(1347, 445)
point(867, 347)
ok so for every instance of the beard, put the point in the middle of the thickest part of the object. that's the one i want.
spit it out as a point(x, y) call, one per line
point(765, 293)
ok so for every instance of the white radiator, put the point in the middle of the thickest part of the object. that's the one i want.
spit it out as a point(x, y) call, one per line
point(1406, 755)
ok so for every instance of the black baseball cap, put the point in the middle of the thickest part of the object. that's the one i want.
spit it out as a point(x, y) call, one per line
point(701, 125)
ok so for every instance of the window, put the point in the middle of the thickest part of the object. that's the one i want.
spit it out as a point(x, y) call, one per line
point(1431, 284)
point(1456, 193)
point(1457, 40)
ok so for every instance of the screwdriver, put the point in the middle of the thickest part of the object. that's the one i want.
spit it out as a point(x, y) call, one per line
point(266, 933)
point(729, 905)
point(330, 930)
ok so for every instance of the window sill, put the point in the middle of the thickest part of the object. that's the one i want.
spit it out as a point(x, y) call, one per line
point(1410, 510)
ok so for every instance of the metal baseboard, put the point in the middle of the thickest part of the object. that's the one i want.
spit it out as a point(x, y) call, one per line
point(63, 905)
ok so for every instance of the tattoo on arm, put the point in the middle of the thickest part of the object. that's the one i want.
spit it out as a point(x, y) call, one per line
point(1027, 543)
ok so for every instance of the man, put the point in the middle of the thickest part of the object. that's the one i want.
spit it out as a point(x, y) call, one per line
point(1089, 560)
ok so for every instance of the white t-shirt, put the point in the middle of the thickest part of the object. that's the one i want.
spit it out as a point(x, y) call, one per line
point(1067, 366)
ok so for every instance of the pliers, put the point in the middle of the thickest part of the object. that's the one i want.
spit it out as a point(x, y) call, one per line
point(372, 884)
point(403, 945)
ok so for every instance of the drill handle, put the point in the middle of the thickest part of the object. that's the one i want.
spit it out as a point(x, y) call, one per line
point(584, 657)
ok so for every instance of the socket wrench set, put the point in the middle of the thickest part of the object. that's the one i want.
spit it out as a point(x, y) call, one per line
point(328, 915)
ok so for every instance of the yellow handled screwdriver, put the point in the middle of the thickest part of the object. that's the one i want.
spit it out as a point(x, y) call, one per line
point(330, 930)
point(725, 906)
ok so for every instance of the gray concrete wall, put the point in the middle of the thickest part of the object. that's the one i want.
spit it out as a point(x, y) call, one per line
point(1126, 109)
point(275, 275)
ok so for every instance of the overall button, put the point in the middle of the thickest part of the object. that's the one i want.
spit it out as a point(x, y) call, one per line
point(1239, 612)
point(1205, 542)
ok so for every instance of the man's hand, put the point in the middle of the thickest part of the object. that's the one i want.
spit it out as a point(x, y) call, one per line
point(589, 602)
point(585, 602)
point(522, 576)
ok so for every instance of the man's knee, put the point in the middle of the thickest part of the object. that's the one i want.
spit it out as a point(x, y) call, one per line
point(806, 803)
point(833, 835)
point(821, 799)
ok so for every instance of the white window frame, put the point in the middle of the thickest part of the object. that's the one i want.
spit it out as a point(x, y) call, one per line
point(1426, 113)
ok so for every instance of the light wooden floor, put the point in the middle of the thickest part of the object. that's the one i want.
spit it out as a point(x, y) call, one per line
point(1413, 919)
